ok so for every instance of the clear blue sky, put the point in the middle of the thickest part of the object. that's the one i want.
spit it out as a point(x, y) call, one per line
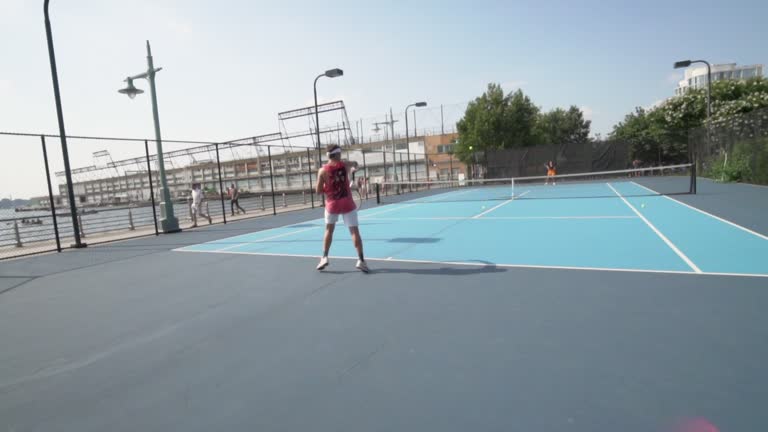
point(231, 66)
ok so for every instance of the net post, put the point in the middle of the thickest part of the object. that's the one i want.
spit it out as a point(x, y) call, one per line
point(693, 171)
point(378, 195)
point(512, 184)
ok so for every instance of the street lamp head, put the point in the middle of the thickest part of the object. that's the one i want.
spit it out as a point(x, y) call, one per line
point(130, 89)
point(682, 64)
point(421, 104)
point(333, 73)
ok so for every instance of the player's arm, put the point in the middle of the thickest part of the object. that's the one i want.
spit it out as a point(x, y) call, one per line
point(320, 181)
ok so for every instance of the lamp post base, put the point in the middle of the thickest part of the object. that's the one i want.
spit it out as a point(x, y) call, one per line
point(170, 226)
point(168, 222)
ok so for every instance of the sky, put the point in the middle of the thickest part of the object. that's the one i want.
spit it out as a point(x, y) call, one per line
point(229, 66)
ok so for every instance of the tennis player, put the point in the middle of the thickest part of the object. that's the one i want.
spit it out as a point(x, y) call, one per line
point(551, 173)
point(333, 181)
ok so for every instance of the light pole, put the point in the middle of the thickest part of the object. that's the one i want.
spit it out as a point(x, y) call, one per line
point(407, 144)
point(168, 221)
point(685, 64)
point(331, 73)
point(62, 133)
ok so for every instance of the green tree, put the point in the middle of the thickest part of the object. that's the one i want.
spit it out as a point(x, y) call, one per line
point(495, 120)
point(563, 127)
point(662, 132)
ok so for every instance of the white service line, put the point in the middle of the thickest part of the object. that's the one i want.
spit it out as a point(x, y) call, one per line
point(398, 207)
point(266, 238)
point(658, 233)
point(478, 216)
point(475, 264)
point(706, 213)
point(501, 218)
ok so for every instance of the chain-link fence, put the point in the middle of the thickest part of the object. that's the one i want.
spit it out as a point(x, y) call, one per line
point(734, 149)
point(118, 192)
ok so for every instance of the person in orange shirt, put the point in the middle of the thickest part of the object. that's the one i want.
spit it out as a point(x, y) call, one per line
point(551, 173)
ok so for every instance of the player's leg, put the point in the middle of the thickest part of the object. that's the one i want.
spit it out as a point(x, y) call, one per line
point(330, 225)
point(194, 215)
point(350, 219)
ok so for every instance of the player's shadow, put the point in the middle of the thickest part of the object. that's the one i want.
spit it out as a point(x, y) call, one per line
point(442, 271)
point(488, 268)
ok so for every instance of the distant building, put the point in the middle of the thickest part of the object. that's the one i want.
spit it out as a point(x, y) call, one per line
point(290, 172)
point(696, 77)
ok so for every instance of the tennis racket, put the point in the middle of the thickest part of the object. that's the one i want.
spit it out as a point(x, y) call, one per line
point(357, 194)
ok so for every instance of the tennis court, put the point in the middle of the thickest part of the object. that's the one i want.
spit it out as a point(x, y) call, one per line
point(534, 313)
point(612, 224)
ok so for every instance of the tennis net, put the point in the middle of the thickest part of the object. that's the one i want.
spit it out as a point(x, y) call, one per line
point(666, 180)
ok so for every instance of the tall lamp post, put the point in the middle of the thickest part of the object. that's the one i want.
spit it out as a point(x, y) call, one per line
point(62, 133)
point(331, 73)
point(168, 222)
point(685, 64)
point(407, 139)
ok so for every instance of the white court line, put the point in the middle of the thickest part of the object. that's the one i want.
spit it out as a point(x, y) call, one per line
point(500, 205)
point(386, 211)
point(500, 218)
point(658, 233)
point(474, 264)
point(706, 213)
point(409, 203)
point(250, 242)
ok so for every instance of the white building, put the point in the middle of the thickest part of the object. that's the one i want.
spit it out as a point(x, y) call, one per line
point(696, 77)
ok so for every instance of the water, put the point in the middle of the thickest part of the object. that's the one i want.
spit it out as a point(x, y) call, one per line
point(116, 219)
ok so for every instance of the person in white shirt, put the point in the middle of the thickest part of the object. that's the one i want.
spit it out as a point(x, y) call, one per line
point(197, 204)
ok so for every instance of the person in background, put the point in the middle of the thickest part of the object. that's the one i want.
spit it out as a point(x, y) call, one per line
point(197, 204)
point(551, 173)
point(234, 197)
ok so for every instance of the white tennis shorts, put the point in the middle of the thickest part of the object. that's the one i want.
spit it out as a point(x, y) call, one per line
point(350, 219)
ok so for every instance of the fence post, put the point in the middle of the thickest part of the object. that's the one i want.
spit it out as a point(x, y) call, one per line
point(262, 202)
point(271, 179)
point(320, 162)
point(221, 187)
point(304, 196)
point(16, 233)
point(311, 187)
point(131, 227)
point(50, 195)
point(80, 224)
point(285, 203)
point(384, 156)
point(152, 190)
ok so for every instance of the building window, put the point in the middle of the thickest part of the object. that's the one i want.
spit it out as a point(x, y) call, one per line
point(447, 148)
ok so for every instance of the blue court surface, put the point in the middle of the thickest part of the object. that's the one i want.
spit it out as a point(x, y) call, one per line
point(612, 226)
point(575, 308)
